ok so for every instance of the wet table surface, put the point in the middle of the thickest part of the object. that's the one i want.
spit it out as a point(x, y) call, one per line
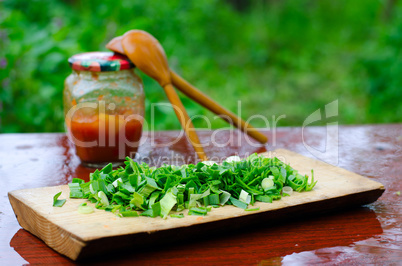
point(370, 234)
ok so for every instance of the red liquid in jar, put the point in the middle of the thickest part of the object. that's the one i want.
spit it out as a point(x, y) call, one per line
point(113, 138)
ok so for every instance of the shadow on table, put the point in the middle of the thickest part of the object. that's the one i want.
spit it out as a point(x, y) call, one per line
point(261, 242)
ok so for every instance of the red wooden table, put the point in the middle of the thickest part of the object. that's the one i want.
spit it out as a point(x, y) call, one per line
point(369, 234)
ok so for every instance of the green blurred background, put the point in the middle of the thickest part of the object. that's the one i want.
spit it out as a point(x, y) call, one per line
point(278, 57)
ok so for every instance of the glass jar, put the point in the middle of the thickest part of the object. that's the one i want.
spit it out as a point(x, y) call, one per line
point(104, 108)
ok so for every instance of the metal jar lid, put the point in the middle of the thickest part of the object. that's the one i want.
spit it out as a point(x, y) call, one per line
point(100, 61)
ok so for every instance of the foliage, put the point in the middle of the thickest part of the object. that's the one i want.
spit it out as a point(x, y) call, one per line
point(277, 57)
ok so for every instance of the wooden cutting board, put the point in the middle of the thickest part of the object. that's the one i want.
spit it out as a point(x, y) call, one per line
point(82, 235)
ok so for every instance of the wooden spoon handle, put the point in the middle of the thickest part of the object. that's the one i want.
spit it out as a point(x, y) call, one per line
point(185, 120)
point(213, 106)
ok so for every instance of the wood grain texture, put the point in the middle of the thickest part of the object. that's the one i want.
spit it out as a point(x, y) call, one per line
point(78, 236)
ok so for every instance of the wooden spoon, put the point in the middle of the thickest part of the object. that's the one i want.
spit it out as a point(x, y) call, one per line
point(193, 93)
point(148, 55)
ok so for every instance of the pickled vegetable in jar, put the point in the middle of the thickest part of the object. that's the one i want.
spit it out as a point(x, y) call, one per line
point(104, 108)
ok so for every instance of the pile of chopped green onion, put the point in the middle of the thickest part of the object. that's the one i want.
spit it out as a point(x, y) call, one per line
point(138, 189)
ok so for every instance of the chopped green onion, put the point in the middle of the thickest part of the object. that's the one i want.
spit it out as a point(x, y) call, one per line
point(253, 209)
point(129, 213)
point(156, 209)
point(238, 203)
point(103, 198)
point(167, 203)
point(213, 199)
point(206, 200)
point(138, 189)
point(198, 211)
point(138, 200)
point(312, 184)
point(148, 213)
point(75, 190)
point(149, 187)
point(224, 197)
point(195, 197)
point(180, 215)
point(245, 197)
point(287, 190)
point(77, 180)
point(153, 198)
point(84, 209)
point(91, 189)
point(264, 198)
point(57, 202)
point(267, 183)
point(117, 181)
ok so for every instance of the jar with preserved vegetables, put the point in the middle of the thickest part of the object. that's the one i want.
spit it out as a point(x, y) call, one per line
point(104, 108)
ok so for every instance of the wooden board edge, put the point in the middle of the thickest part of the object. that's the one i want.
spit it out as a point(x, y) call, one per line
point(157, 239)
point(54, 236)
